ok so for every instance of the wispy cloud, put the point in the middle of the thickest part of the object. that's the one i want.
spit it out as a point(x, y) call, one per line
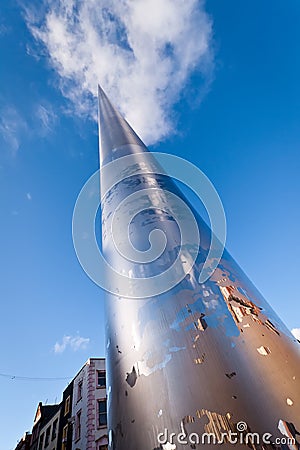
point(3, 29)
point(15, 129)
point(296, 333)
point(46, 117)
point(12, 127)
point(28, 196)
point(75, 343)
point(142, 52)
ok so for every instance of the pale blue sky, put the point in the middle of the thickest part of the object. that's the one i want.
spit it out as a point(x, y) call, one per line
point(236, 117)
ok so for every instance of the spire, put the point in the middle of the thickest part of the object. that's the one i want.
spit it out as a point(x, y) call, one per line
point(114, 131)
point(210, 359)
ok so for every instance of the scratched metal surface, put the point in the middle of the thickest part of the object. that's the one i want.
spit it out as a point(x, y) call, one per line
point(200, 358)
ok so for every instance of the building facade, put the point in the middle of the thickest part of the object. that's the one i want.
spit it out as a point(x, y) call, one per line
point(79, 422)
point(24, 442)
point(65, 423)
point(48, 438)
point(43, 416)
point(89, 416)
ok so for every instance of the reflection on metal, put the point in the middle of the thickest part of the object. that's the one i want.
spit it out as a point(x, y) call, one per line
point(263, 350)
point(288, 429)
point(214, 354)
point(218, 424)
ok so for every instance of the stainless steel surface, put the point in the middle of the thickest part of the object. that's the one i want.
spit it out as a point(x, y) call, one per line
point(200, 358)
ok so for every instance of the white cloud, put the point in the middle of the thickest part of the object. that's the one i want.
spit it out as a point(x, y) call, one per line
point(12, 127)
point(296, 333)
point(142, 52)
point(28, 196)
point(75, 343)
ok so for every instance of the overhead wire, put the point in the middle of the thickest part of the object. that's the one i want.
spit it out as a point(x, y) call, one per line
point(19, 377)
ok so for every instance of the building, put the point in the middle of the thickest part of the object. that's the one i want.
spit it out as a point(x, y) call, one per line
point(24, 442)
point(89, 415)
point(79, 422)
point(43, 416)
point(65, 432)
point(49, 432)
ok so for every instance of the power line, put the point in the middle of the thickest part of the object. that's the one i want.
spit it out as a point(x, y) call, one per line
point(18, 377)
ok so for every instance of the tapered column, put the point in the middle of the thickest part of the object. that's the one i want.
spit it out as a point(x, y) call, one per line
point(199, 357)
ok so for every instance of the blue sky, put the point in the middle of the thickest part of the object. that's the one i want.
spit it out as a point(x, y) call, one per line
point(227, 99)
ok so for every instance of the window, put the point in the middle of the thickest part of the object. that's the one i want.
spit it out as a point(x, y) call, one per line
point(102, 414)
point(101, 378)
point(79, 390)
point(67, 405)
point(78, 426)
point(47, 438)
point(41, 443)
point(54, 429)
point(64, 438)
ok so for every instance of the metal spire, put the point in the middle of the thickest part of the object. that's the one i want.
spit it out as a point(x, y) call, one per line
point(201, 363)
point(115, 131)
